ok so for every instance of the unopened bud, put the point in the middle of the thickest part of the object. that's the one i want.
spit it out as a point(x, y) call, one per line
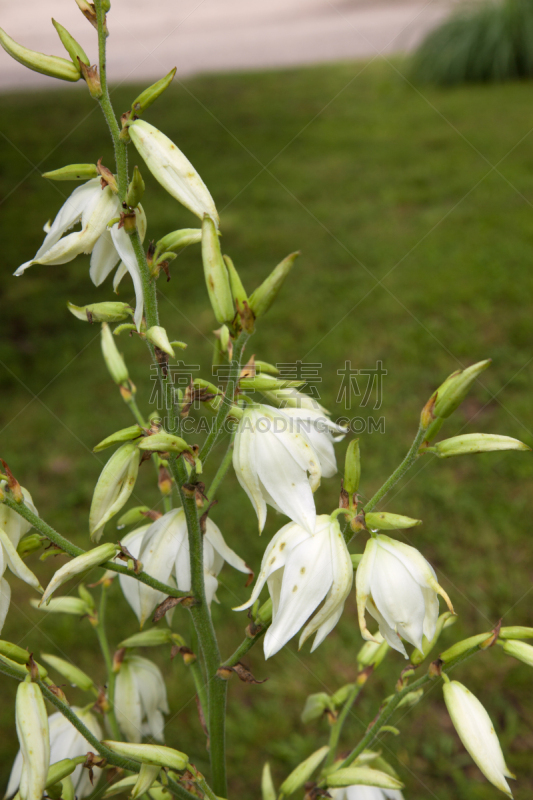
point(365, 776)
point(58, 772)
point(520, 650)
point(455, 388)
point(132, 516)
point(73, 48)
point(516, 632)
point(135, 189)
point(114, 487)
point(92, 558)
point(158, 336)
point(163, 442)
point(470, 443)
point(411, 699)
point(178, 240)
point(315, 705)
point(53, 66)
point(101, 312)
point(124, 435)
point(303, 771)
point(147, 776)
point(74, 675)
point(265, 383)
point(352, 468)
point(268, 790)
point(263, 367)
point(266, 293)
point(216, 274)
point(372, 653)
point(64, 605)
point(342, 694)
point(30, 544)
point(237, 289)
point(34, 739)
point(383, 521)
point(460, 648)
point(417, 656)
point(151, 638)
point(155, 754)
point(150, 95)
point(114, 361)
point(72, 172)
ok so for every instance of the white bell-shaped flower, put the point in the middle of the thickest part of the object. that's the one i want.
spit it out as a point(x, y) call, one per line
point(321, 432)
point(163, 549)
point(140, 699)
point(477, 733)
point(65, 742)
point(302, 571)
point(94, 207)
point(276, 463)
point(399, 588)
point(360, 792)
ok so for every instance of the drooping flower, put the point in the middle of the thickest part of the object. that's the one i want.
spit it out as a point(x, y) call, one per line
point(399, 588)
point(302, 570)
point(163, 549)
point(276, 463)
point(34, 740)
point(140, 699)
point(65, 742)
point(365, 793)
point(321, 432)
point(94, 207)
point(476, 732)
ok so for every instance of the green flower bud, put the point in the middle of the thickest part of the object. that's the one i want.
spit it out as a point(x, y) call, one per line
point(158, 336)
point(372, 653)
point(92, 558)
point(154, 754)
point(124, 435)
point(86, 596)
point(315, 705)
point(264, 614)
point(470, 443)
point(263, 367)
point(30, 544)
point(59, 770)
point(417, 656)
point(74, 675)
point(53, 66)
point(216, 274)
point(262, 383)
point(384, 521)
point(520, 650)
point(147, 776)
point(135, 189)
point(268, 790)
point(352, 468)
point(20, 657)
point(132, 516)
point(459, 648)
point(303, 771)
point(73, 48)
point(63, 605)
point(455, 388)
point(411, 699)
point(163, 442)
point(73, 172)
point(366, 776)
point(34, 738)
point(266, 293)
point(341, 695)
point(516, 632)
point(114, 361)
point(237, 289)
point(178, 240)
point(150, 95)
point(152, 638)
point(114, 487)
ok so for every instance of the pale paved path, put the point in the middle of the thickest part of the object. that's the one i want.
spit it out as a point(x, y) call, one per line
point(219, 35)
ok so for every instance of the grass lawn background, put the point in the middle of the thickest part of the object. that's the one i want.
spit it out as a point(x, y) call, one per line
point(414, 217)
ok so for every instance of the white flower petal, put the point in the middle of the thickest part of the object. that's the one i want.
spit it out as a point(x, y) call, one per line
point(104, 258)
point(160, 546)
point(398, 597)
point(124, 247)
point(5, 599)
point(214, 536)
point(70, 213)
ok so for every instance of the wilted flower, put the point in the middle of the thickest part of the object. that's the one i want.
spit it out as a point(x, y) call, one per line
point(163, 549)
point(476, 732)
point(302, 570)
point(65, 742)
point(275, 463)
point(140, 699)
point(399, 588)
point(365, 793)
point(95, 208)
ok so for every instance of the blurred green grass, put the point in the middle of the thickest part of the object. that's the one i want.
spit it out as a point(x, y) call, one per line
point(413, 214)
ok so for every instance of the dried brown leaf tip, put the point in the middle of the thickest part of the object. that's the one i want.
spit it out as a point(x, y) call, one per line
point(241, 670)
point(172, 602)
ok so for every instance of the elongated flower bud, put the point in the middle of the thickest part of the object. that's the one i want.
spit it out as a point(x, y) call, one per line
point(520, 650)
point(315, 705)
point(303, 771)
point(417, 656)
point(172, 169)
point(114, 361)
point(476, 732)
point(58, 771)
point(73, 48)
point(124, 435)
point(352, 468)
point(53, 66)
point(114, 487)
point(470, 443)
point(135, 189)
point(101, 312)
point(163, 442)
point(268, 790)
point(147, 776)
point(383, 521)
point(74, 675)
point(155, 754)
point(455, 388)
point(266, 293)
point(152, 638)
point(73, 172)
point(64, 605)
point(150, 95)
point(372, 653)
point(158, 336)
point(34, 739)
point(237, 289)
point(363, 776)
point(178, 240)
point(92, 558)
point(216, 273)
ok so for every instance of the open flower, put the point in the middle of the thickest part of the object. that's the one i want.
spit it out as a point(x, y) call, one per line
point(65, 742)
point(140, 699)
point(321, 432)
point(302, 570)
point(399, 588)
point(94, 207)
point(276, 463)
point(365, 793)
point(163, 549)
point(476, 732)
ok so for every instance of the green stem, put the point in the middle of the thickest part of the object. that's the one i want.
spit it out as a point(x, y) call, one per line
point(398, 473)
point(111, 677)
point(199, 685)
point(148, 283)
point(121, 156)
point(336, 728)
point(221, 471)
point(73, 550)
point(131, 402)
point(244, 647)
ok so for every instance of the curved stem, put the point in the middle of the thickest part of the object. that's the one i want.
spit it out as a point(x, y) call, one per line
point(399, 472)
point(111, 677)
point(245, 647)
point(221, 471)
point(336, 728)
